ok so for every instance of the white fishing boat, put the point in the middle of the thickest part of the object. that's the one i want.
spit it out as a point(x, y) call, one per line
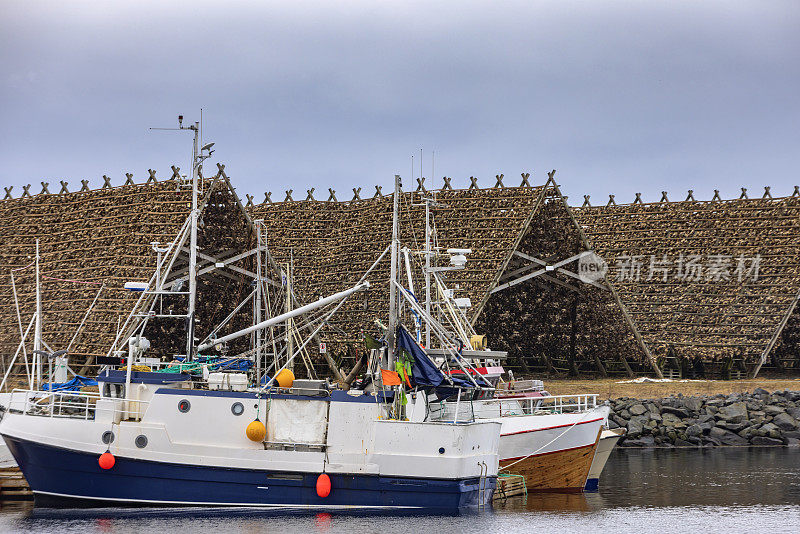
point(551, 440)
point(177, 445)
point(188, 432)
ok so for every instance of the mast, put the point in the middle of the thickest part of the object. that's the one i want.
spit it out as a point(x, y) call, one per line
point(199, 154)
point(193, 248)
point(393, 302)
point(258, 296)
point(37, 332)
point(289, 322)
point(427, 271)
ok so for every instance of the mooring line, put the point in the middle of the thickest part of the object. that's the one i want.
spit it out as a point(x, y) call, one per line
point(548, 443)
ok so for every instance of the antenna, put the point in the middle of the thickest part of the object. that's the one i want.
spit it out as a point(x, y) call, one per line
point(421, 172)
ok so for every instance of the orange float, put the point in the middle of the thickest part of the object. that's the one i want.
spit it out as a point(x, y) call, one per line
point(106, 460)
point(323, 485)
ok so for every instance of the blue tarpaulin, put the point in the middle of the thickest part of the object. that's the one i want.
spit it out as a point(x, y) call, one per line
point(423, 370)
point(72, 385)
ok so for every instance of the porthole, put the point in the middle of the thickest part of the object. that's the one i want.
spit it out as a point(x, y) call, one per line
point(441, 450)
point(237, 408)
point(108, 437)
point(141, 441)
point(184, 406)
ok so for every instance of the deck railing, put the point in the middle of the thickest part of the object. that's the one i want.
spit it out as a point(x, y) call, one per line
point(67, 404)
point(469, 410)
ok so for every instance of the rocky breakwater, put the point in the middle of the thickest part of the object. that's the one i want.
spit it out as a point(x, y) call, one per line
point(757, 418)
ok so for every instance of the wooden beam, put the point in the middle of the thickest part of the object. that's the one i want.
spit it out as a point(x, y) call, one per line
point(651, 359)
point(562, 271)
point(482, 304)
point(775, 336)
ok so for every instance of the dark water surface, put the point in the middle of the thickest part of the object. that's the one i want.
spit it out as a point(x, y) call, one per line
point(722, 490)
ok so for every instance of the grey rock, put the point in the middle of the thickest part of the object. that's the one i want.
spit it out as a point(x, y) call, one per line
point(773, 410)
point(636, 425)
point(652, 408)
point(693, 404)
point(612, 424)
point(769, 430)
point(670, 419)
point(644, 441)
point(655, 417)
point(792, 434)
point(762, 440)
point(679, 412)
point(717, 432)
point(682, 443)
point(711, 410)
point(733, 427)
point(732, 398)
point(784, 421)
point(734, 413)
point(766, 429)
point(760, 391)
point(705, 418)
point(792, 442)
point(732, 439)
point(776, 399)
point(625, 414)
point(754, 405)
point(637, 409)
point(794, 411)
point(694, 430)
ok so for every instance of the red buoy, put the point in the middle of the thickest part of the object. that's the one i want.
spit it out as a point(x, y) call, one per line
point(107, 460)
point(323, 485)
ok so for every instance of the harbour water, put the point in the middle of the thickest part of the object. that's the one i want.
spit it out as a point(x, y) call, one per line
point(650, 490)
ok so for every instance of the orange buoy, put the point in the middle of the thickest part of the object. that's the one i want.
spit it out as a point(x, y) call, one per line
point(285, 378)
point(106, 460)
point(256, 431)
point(323, 485)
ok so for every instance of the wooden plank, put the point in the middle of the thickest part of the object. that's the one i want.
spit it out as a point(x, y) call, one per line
point(13, 486)
point(561, 470)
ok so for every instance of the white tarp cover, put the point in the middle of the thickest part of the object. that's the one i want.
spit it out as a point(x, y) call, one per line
point(297, 421)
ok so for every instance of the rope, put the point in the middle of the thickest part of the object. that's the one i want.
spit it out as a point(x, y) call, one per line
point(548, 443)
point(20, 268)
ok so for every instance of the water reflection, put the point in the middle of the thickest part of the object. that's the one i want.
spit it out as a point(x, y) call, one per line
point(679, 477)
point(641, 491)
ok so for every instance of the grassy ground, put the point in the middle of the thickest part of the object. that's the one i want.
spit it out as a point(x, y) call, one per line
point(609, 388)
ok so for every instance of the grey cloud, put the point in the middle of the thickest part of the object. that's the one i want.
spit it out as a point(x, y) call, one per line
point(620, 97)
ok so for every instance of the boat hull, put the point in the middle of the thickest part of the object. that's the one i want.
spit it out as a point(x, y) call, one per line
point(608, 440)
point(62, 477)
point(552, 452)
point(563, 470)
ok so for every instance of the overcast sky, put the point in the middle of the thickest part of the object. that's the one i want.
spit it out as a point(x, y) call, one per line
point(619, 97)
